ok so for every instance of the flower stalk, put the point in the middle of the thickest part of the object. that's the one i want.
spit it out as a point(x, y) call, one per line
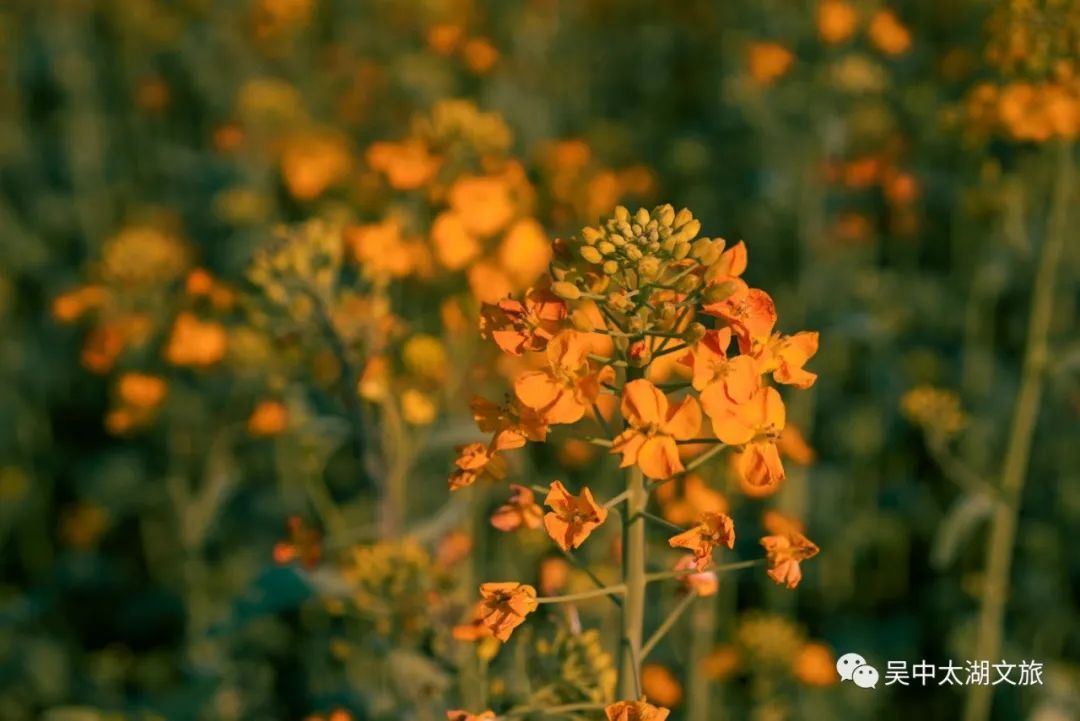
point(999, 550)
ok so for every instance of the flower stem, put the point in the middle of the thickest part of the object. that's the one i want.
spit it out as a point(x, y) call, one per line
point(634, 579)
point(664, 575)
point(999, 550)
point(704, 457)
point(584, 595)
point(663, 628)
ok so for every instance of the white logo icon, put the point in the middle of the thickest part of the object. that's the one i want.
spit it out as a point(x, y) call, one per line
point(853, 667)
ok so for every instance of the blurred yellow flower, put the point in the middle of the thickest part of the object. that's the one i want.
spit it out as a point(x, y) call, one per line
point(312, 162)
point(417, 407)
point(888, 34)
point(195, 342)
point(269, 418)
point(836, 20)
point(659, 684)
point(768, 62)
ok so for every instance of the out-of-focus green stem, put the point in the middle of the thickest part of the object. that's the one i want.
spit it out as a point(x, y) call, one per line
point(702, 631)
point(634, 578)
point(999, 550)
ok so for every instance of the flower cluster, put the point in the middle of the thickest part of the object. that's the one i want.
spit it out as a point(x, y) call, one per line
point(645, 336)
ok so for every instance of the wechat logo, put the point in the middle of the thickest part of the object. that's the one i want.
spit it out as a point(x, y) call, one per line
point(853, 667)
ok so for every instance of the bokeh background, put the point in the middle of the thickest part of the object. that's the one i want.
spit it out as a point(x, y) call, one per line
point(224, 440)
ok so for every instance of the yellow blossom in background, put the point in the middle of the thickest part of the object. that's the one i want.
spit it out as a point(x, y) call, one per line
point(314, 161)
point(269, 418)
point(937, 410)
point(888, 34)
point(768, 62)
point(815, 665)
point(195, 342)
point(837, 20)
point(417, 407)
point(660, 684)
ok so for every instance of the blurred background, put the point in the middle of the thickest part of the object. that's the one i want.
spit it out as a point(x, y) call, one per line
point(224, 440)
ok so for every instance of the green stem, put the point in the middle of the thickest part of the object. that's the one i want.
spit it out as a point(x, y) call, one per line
point(669, 622)
point(584, 595)
point(999, 550)
point(589, 572)
point(634, 579)
point(664, 575)
point(704, 457)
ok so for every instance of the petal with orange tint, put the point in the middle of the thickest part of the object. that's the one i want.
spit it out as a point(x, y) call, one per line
point(684, 420)
point(658, 457)
point(537, 389)
point(643, 403)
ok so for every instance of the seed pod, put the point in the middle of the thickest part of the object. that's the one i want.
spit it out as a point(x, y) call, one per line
point(565, 290)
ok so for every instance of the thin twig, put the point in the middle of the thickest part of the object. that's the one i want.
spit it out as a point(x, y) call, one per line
point(670, 621)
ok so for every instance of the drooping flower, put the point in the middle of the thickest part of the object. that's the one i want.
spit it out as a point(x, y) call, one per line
point(473, 461)
point(519, 510)
point(715, 529)
point(528, 325)
point(512, 423)
point(572, 518)
point(784, 553)
point(738, 423)
point(654, 428)
point(785, 355)
point(504, 606)
point(701, 583)
point(565, 390)
point(759, 465)
point(640, 710)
